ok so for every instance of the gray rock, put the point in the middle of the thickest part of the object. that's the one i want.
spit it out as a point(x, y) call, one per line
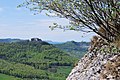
point(91, 69)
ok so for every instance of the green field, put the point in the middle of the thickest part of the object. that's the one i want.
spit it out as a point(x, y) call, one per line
point(7, 77)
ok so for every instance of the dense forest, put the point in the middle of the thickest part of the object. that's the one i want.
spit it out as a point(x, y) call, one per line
point(75, 49)
point(34, 60)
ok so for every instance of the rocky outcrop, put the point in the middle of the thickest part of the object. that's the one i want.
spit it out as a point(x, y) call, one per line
point(36, 39)
point(97, 66)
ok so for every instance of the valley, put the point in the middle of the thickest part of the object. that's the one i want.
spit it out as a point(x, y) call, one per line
point(38, 60)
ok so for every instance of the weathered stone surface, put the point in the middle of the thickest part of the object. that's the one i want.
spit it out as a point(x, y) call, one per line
point(100, 66)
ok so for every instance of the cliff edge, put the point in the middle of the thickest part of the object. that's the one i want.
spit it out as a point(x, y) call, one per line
point(100, 65)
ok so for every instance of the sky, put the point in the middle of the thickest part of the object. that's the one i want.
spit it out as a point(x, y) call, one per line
point(21, 23)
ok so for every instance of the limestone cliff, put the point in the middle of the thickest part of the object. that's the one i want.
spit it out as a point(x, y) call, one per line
point(100, 65)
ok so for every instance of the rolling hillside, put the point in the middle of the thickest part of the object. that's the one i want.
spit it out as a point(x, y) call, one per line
point(34, 60)
point(76, 49)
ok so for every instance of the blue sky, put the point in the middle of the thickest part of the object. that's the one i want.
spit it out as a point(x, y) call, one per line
point(21, 23)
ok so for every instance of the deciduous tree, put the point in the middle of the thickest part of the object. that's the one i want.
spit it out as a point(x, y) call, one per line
point(84, 15)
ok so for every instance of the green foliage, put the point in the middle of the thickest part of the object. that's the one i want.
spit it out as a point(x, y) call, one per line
point(84, 15)
point(29, 60)
point(75, 49)
point(21, 70)
point(7, 77)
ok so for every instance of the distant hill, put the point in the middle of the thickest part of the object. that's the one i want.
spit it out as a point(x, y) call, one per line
point(53, 42)
point(76, 49)
point(9, 40)
point(34, 60)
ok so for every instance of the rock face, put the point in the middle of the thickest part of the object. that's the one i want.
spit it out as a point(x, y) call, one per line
point(100, 66)
point(36, 39)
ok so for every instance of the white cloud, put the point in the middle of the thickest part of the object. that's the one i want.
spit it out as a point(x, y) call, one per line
point(48, 22)
point(40, 28)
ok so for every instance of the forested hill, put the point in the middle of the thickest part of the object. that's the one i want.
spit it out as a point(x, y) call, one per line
point(76, 49)
point(9, 40)
point(34, 60)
